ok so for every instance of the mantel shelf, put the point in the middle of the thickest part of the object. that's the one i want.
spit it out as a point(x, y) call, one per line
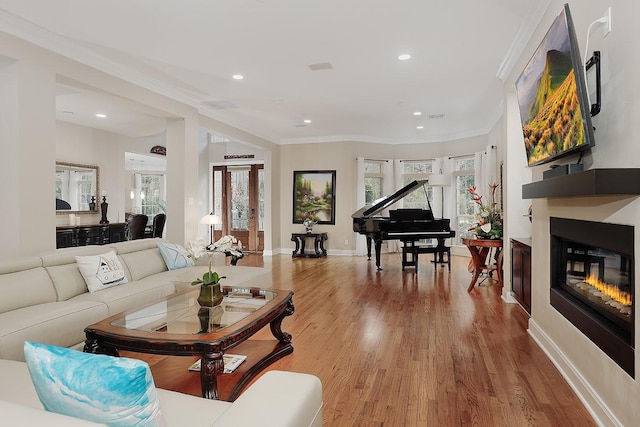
point(592, 182)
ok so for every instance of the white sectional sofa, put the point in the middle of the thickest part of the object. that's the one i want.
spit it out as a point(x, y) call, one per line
point(45, 299)
point(277, 399)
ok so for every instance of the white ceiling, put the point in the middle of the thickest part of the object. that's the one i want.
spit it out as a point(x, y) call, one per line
point(190, 49)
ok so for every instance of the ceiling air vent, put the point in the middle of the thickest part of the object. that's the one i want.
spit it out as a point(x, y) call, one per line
point(321, 66)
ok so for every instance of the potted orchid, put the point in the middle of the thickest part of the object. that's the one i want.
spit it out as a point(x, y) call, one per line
point(488, 216)
point(210, 291)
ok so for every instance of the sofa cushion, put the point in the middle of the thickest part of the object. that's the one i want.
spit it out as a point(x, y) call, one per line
point(141, 257)
point(130, 295)
point(18, 273)
point(295, 400)
point(117, 391)
point(20, 415)
point(63, 269)
point(61, 323)
point(175, 256)
point(101, 271)
point(16, 384)
point(180, 409)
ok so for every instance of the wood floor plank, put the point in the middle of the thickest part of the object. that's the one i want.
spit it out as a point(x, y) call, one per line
point(399, 348)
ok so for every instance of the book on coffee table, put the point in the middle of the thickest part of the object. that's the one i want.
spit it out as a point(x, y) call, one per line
point(231, 362)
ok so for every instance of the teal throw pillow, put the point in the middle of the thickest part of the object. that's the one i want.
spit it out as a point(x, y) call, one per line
point(175, 256)
point(116, 391)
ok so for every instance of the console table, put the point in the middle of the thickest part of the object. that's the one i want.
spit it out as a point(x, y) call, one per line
point(479, 249)
point(83, 235)
point(318, 244)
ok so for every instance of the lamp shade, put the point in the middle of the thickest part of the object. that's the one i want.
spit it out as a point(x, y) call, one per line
point(211, 219)
point(440, 180)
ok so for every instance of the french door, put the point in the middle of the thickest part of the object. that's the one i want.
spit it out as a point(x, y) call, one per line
point(238, 198)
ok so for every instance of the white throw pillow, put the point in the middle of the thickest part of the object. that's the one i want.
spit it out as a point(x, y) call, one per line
point(175, 256)
point(101, 271)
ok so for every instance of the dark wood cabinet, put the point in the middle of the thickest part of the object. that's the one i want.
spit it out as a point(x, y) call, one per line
point(521, 272)
point(117, 232)
point(83, 235)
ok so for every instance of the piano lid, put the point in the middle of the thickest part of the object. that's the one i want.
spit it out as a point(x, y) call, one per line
point(385, 202)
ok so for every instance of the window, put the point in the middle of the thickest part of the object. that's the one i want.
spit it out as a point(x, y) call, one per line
point(373, 180)
point(416, 170)
point(152, 188)
point(79, 186)
point(464, 178)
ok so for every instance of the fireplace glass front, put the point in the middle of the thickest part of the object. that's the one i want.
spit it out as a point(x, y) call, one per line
point(592, 282)
point(600, 279)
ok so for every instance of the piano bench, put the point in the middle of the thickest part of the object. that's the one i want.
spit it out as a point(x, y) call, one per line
point(410, 255)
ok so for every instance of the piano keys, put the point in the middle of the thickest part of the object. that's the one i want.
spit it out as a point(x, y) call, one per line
point(407, 225)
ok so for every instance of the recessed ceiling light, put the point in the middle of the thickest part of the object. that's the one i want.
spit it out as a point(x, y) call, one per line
point(307, 121)
point(419, 127)
point(404, 57)
point(237, 77)
point(417, 113)
point(101, 115)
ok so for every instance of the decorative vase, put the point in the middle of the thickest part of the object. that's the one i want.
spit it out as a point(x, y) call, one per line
point(210, 295)
point(103, 207)
point(210, 318)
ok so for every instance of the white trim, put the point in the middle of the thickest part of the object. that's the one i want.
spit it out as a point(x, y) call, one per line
point(522, 38)
point(585, 392)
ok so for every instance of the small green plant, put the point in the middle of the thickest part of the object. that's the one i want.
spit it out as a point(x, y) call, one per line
point(209, 278)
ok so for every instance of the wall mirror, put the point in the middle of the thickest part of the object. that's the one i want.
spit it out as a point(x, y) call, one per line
point(77, 188)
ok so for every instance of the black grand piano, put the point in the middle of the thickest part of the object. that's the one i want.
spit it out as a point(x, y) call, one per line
point(407, 225)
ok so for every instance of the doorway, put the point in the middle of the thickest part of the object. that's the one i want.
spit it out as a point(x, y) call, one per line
point(238, 198)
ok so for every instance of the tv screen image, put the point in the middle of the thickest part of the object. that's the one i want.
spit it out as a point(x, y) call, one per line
point(552, 96)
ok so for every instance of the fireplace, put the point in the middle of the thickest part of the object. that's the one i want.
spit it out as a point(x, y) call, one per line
point(592, 283)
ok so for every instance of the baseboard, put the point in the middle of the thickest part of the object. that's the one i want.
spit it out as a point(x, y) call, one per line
point(507, 297)
point(585, 392)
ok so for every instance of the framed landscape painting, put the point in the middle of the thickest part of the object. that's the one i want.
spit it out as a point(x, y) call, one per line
point(314, 196)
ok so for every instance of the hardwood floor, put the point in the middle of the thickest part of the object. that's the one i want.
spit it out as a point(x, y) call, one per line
point(396, 348)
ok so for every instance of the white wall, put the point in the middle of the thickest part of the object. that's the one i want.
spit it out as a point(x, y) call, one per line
point(341, 157)
point(609, 393)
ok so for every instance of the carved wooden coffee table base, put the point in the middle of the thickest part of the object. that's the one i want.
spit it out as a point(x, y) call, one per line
point(110, 336)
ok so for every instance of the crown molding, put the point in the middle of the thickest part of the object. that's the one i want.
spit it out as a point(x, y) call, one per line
point(61, 45)
point(525, 32)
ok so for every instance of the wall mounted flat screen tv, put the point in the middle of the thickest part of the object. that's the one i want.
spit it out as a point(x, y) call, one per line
point(552, 96)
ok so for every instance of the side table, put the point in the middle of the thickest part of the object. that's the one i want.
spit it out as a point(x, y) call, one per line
point(479, 249)
point(318, 244)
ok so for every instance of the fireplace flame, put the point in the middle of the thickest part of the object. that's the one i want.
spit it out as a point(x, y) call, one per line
point(612, 291)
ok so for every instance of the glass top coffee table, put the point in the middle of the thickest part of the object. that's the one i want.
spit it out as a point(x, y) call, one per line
point(178, 326)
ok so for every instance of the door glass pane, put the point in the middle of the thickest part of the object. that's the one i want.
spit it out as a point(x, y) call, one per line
point(260, 199)
point(240, 200)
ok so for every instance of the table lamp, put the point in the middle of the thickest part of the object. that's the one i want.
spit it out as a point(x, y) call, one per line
point(211, 219)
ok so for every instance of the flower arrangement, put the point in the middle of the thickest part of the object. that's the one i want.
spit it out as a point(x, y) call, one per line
point(228, 245)
point(488, 216)
point(196, 250)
